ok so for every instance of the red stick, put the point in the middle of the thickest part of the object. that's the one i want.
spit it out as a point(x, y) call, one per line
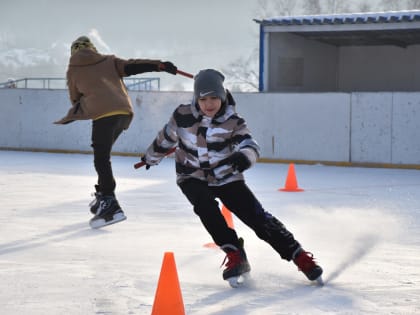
point(141, 164)
point(185, 74)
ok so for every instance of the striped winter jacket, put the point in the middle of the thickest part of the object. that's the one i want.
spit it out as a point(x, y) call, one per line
point(204, 144)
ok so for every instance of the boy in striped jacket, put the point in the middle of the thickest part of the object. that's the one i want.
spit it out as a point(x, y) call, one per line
point(213, 148)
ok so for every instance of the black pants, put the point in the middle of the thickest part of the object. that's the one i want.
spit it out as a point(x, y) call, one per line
point(105, 132)
point(239, 199)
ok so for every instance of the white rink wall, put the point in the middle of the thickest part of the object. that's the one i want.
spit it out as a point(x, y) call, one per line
point(379, 128)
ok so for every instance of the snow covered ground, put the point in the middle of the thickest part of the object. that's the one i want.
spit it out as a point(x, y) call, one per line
point(362, 225)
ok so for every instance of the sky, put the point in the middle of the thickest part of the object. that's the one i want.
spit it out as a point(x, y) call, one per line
point(192, 34)
point(361, 224)
point(35, 36)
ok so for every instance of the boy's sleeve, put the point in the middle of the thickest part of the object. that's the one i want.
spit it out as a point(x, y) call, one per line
point(246, 144)
point(165, 140)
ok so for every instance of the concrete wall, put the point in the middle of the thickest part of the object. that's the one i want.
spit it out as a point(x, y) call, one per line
point(326, 127)
point(298, 126)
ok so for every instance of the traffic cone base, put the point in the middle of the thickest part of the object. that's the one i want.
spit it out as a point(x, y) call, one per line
point(291, 189)
point(291, 182)
point(229, 221)
point(211, 245)
point(168, 297)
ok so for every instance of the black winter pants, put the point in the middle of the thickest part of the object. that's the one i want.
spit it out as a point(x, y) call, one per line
point(239, 199)
point(105, 132)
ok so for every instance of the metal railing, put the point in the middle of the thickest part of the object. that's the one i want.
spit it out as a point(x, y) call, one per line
point(132, 84)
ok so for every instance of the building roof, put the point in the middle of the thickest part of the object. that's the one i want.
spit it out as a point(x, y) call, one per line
point(400, 28)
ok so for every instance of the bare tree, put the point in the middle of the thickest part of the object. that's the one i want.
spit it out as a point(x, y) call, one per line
point(336, 6)
point(413, 4)
point(312, 7)
point(272, 8)
point(330, 6)
point(390, 5)
point(242, 74)
point(364, 7)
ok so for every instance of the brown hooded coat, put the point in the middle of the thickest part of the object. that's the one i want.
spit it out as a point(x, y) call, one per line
point(96, 87)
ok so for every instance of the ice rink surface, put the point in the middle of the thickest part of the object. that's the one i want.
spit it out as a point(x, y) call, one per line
point(361, 224)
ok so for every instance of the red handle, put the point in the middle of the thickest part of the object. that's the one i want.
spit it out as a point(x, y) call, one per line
point(140, 164)
point(185, 74)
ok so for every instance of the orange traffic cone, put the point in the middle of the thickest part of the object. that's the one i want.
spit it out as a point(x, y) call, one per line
point(168, 297)
point(229, 220)
point(291, 182)
point(228, 217)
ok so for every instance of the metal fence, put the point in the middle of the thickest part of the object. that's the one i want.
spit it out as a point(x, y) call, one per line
point(132, 84)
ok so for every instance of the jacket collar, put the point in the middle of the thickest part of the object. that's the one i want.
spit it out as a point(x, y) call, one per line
point(86, 57)
point(227, 110)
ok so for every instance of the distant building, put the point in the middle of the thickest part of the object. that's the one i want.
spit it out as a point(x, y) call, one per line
point(340, 52)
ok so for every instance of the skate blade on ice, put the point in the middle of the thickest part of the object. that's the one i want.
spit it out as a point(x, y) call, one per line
point(239, 281)
point(100, 222)
point(319, 281)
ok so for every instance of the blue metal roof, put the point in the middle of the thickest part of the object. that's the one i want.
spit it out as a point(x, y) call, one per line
point(339, 19)
point(400, 28)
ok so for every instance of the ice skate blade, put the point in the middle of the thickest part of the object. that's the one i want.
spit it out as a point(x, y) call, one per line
point(319, 281)
point(239, 281)
point(99, 223)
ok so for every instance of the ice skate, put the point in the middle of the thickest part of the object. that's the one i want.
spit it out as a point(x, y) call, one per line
point(94, 204)
point(108, 212)
point(305, 262)
point(237, 267)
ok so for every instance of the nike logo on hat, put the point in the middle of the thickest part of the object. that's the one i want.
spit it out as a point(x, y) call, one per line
point(206, 93)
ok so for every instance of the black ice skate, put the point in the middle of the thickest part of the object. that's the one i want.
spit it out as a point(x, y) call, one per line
point(306, 264)
point(94, 204)
point(237, 266)
point(108, 212)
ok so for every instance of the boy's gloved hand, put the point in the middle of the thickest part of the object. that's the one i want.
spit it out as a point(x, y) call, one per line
point(239, 162)
point(143, 159)
point(169, 67)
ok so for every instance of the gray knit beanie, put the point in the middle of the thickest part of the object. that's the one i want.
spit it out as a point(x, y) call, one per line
point(209, 82)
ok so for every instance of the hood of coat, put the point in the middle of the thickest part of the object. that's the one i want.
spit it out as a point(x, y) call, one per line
point(227, 110)
point(85, 57)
